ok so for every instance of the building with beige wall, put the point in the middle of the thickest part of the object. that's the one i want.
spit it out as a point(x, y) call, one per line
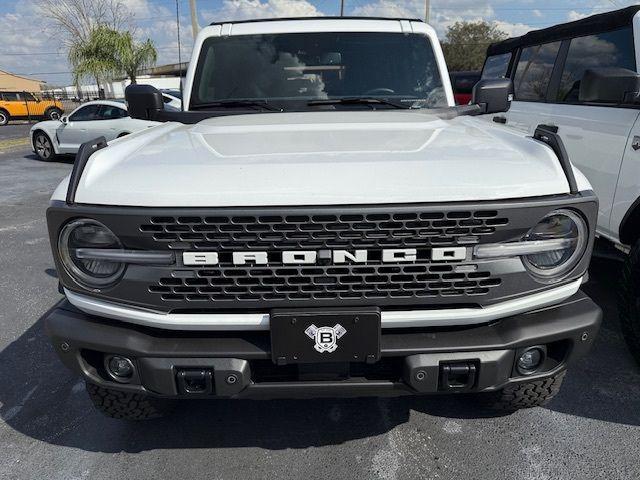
point(9, 81)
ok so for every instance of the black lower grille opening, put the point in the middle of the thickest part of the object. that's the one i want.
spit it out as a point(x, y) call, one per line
point(387, 368)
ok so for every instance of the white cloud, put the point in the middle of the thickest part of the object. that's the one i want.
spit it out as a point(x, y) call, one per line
point(573, 15)
point(247, 9)
point(513, 29)
point(390, 8)
point(536, 13)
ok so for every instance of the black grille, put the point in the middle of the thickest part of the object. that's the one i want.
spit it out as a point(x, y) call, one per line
point(275, 232)
point(229, 284)
point(279, 284)
point(274, 229)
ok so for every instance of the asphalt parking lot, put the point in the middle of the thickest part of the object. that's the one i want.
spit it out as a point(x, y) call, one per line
point(15, 130)
point(48, 429)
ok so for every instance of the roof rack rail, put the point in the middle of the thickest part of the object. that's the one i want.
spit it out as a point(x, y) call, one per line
point(259, 20)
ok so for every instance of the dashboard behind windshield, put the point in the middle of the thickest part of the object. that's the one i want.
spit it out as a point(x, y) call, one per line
point(295, 68)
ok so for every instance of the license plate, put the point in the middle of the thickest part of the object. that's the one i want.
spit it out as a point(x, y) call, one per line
point(325, 335)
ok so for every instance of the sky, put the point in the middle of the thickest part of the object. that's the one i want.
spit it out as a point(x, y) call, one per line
point(29, 47)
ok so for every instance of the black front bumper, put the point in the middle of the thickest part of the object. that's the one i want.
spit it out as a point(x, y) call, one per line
point(239, 365)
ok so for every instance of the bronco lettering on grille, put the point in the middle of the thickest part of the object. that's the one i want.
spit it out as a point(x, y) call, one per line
point(306, 257)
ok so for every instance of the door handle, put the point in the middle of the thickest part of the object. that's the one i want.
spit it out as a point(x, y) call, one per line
point(636, 143)
point(500, 119)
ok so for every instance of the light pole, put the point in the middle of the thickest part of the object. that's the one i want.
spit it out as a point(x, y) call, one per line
point(342, 8)
point(427, 10)
point(194, 18)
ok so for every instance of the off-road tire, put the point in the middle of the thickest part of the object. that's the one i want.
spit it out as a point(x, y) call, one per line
point(629, 301)
point(525, 395)
point(125, 405)
point(53, 113)
point(4, 117)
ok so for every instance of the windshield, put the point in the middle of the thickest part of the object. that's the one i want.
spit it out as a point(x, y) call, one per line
point(290, 70)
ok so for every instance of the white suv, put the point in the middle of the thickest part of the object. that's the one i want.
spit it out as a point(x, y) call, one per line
point(321, 220)
point(581, 78)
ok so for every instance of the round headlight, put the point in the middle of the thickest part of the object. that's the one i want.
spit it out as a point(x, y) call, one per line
point(566, 226)
point(89, 272)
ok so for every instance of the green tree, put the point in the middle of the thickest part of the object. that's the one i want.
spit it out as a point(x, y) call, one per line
point(107, 53)
point(465, 44)
point(93, 56)
point(131, 57)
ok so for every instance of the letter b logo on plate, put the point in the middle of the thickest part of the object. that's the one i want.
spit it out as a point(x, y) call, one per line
point(326, 338)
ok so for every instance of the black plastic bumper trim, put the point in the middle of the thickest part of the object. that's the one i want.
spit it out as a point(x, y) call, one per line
point(160, 353)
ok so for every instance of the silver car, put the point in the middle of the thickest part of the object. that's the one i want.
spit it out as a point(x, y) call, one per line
point(101, 118)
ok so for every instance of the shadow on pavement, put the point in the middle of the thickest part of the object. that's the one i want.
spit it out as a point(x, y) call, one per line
point(606, 384)
point(69, 159)
point(41, 399)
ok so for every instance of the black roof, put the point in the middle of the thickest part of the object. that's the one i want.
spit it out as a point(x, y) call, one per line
point(257, 20)
point(586, 26)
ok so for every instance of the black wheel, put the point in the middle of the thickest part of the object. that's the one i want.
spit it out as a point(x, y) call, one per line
point(4, 117)
point(53, 113)
point(43, 146)
point(525, 395)
point(127, 406)
point(629, 301)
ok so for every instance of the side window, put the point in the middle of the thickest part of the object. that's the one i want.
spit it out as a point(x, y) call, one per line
point(533, 72)
point(89, 112)
point(10, 96)
point(110, 112)
point(605, 50)
point(30, 97)
point(496, 66)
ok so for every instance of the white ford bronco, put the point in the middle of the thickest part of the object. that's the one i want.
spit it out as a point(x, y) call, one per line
point(321, 220)
point(582, 79)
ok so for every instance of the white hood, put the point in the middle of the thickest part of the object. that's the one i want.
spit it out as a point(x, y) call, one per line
point(320, 158)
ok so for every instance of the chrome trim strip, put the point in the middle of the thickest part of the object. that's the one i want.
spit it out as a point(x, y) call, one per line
point(260, 321)
point(126, 256)
point(516, 249)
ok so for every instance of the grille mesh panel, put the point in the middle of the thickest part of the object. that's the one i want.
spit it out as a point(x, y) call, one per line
point(277, 284)
point(300, 283)
point(275, 232)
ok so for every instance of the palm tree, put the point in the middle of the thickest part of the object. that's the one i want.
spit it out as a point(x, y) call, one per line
point(132, 57)
point(93, 56)
point(107, 53)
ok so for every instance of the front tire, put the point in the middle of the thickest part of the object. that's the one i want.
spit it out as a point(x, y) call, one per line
point(525, 395)
point(43, 146)
point(126, 405)
point(4, 117)
point(629, 301)
point(53, 114)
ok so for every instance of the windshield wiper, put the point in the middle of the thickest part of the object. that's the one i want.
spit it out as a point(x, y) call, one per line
point(359, 101)
point(238, 104)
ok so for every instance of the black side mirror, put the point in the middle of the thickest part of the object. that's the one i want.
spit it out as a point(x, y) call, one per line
point(610, 85)
point(143, 101)
point(493, 96)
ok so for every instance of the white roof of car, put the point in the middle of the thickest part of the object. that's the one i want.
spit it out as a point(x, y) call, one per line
point(112, 103)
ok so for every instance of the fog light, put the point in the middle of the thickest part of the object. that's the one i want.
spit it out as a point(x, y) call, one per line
point(119, 368)
point(530, 361)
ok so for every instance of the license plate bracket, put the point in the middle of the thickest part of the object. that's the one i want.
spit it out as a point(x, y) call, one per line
point(325, 335)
